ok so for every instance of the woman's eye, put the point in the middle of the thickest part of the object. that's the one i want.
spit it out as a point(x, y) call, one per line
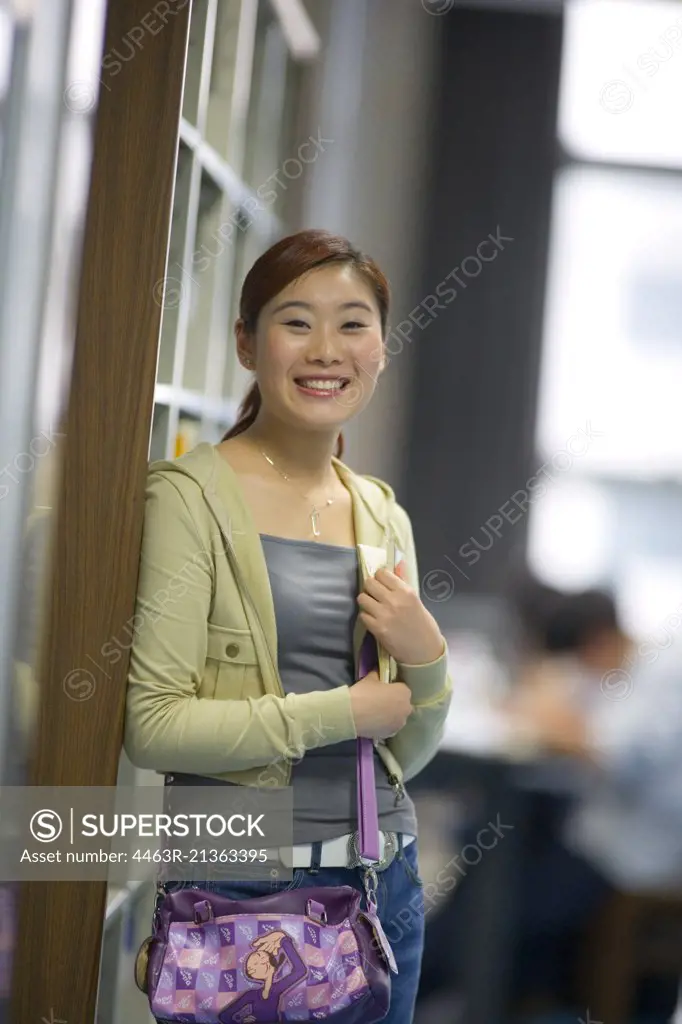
point(353, 325)
point(296, 323)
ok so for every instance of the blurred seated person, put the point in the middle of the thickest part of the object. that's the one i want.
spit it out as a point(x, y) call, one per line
point(616, 709)
point(566, 646)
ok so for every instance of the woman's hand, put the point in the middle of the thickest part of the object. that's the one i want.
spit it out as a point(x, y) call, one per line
point(393, 612)
point(379, 709)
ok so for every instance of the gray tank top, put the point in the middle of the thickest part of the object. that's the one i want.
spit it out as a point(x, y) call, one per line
point(314, 588)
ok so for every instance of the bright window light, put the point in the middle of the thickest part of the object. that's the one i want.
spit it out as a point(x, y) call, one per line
point(85, 55)
point(6, 42)
point(651, 598)
point(622, 81)
point(612, 352)
point(569, 533)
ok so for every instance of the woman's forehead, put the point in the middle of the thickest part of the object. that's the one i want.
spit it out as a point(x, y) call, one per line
point(328, 288)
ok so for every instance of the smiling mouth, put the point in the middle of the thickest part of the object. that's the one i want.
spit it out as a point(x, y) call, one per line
point(325, 386)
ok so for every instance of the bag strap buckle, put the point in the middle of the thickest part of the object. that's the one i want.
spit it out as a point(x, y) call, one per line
point(390, 849)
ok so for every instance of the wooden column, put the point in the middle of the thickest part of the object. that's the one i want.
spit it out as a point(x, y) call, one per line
point(104, 462)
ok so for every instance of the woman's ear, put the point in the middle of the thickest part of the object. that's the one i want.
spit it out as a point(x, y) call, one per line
point(244, 345)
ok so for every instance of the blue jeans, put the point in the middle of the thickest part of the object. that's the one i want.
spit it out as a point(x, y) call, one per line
point(401, 912)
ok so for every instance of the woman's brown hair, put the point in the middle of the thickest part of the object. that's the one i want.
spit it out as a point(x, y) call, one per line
point(277, 268)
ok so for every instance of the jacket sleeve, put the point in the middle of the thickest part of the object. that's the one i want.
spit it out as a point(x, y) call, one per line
point(417, 742)
point(168, 727)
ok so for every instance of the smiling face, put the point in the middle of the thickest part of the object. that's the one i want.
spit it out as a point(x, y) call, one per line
point(318, 348)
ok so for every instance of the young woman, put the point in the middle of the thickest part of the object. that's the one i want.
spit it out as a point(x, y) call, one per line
point(252, 602)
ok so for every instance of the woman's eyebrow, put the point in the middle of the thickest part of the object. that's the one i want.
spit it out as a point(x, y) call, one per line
point(357, 304)
point(289, 304)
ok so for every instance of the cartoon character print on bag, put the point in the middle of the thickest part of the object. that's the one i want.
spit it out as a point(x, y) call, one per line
point(271, 952)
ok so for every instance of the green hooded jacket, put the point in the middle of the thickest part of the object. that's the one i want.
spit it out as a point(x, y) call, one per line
point(204, 692)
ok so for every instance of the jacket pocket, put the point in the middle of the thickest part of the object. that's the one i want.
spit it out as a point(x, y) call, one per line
point(231, 664)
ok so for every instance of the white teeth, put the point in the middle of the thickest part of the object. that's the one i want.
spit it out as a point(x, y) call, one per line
point(321, 385)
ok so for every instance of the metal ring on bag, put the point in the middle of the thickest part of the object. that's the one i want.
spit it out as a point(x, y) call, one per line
point(390, 849)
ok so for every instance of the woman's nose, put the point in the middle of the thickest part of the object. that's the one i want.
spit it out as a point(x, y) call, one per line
point(322, 347)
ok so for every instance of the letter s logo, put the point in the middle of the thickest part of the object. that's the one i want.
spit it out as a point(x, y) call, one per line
point(46, 826)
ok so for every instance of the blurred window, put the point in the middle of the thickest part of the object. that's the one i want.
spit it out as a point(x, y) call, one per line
point(622, 81)
point(608, 434)
point(613, 323)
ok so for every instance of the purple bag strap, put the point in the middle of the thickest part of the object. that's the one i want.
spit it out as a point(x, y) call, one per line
point(368, 815)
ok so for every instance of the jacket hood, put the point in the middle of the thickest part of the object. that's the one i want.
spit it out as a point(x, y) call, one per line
point(201, 465)
point(376, 495)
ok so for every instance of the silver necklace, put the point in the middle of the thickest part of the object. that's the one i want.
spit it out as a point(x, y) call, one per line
point(315, 512)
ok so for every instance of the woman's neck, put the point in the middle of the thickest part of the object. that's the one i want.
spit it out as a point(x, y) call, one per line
point(305, 455)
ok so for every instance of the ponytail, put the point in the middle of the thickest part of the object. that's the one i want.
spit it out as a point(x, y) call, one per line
point(248, 411)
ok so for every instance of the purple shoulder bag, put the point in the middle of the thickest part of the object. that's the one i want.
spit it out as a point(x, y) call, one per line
point(300, 955)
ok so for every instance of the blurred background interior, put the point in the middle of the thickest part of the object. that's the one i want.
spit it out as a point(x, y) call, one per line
point(515, 166)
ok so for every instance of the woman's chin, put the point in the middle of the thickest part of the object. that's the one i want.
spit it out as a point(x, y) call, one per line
point(327, 418)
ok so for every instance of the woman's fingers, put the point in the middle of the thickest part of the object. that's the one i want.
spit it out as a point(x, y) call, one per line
point(389, 579)
point(382, 581)
point(368, 604)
